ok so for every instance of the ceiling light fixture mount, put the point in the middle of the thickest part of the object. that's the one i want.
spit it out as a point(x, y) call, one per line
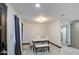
point(41, 19)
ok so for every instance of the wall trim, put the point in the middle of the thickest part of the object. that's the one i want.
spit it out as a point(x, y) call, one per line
point(25, 43)
point(49, 42)
point(54, 44)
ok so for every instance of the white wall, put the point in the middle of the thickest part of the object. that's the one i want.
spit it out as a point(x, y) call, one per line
point(52, 30)
point(31, 30)
point(10, 29)
point(55, 32)
point(20, 22)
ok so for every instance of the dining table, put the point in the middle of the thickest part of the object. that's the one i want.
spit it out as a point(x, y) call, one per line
point(39, 40)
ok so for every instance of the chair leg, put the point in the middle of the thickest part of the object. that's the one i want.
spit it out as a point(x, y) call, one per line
point(36, 50)
point(48, 48)
point(33, 48)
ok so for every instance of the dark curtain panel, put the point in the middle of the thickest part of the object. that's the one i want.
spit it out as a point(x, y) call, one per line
point(17, 36)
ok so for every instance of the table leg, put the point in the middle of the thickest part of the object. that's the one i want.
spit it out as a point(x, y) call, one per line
point(33, 46)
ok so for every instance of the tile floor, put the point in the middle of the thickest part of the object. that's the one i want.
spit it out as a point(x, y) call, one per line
point(53, 51)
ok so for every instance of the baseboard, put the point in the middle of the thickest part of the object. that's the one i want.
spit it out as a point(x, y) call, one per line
point(54, 44)
point(25, 43)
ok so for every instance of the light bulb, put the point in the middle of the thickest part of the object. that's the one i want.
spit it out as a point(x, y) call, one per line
point(37, 5)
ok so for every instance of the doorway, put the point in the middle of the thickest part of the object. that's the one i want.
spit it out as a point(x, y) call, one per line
point(64, 35)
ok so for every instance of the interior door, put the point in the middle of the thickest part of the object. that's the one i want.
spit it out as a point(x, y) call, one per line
point(17, 37)
point(75, 34)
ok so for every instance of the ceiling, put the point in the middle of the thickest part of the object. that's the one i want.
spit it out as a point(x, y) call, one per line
point(67, 11)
